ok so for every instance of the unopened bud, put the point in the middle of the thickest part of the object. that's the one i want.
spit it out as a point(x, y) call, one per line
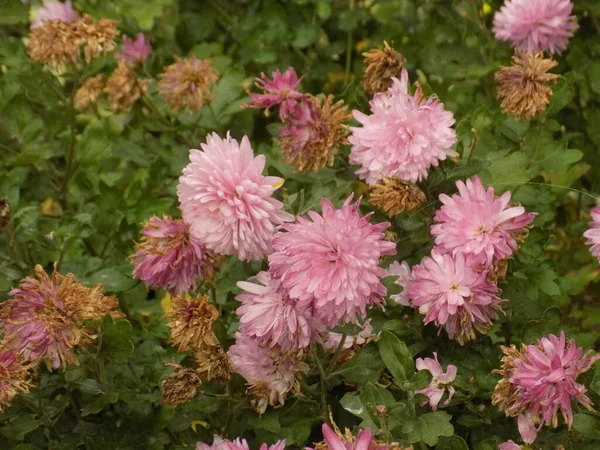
point(382, 411)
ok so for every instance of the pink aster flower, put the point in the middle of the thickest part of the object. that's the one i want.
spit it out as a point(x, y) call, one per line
point(476, 222)
point(440, 383)
point(404, 274)
point(330, 265)
point(218, 444)
point(242, 444)
point(271, 317)
point(227, 200)
point(535, 25)
point(55, 11)
point(593, 234)
point(280, 90)
point(135, 51)
point(454, 294)
point(169, 258)
point(270, 373)
point(540, 380)
point(404, 135)
point(335, 441)
point(509, 445)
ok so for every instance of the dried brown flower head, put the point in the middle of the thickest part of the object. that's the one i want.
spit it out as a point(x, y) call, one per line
point(187, 83)
point(88, 93)
point(497, 272)
point(350, 441)
point(505, 393)
point(314, 132)
point(382, 65)
point(394, 196)
point(181, 386)
point(55, 43)
point(14, 377)
point(4, 211)
point(124, 88)
point(212, 363)
point(524, 85)
point(191, 322)
point(98, 37)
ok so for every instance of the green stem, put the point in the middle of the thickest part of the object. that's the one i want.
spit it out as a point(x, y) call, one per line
point(323, 380)
point(423, 446)
point(224, 14)
point(336, 355)
point(348, 50)
point(71, 151)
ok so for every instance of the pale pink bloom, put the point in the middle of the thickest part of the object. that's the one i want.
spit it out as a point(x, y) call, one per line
point(545, 379)
point(440, 383)
point(242, 444)
point(333, 339)
point(509, 445)
point(330, 264)
point(227, 200)
point(218, 444)
point(55, 11)
point(535, 25)
point(364, 440)
point(135, 51)
point(270, 373)
point(593, 234)
point(403, 137)
point(280, 90)
point(454, 294)
point(476, 222)
point(169, 258)
point(272, 317)
point(527, 429)
point(404, 274)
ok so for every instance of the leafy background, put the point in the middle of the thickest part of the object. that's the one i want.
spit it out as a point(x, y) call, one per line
point(126, 168)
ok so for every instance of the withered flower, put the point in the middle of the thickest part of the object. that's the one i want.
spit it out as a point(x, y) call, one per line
point(98, 37)
point(4, 211)
point(191, 322)
point(55, 43)
point(394, 196)
point(88, 93)
point(181, 386)
point(212, 363)
point(524, 85)
point(382, 65)
point(14, 377)
point(505, 394)
point(124, 88)
point(187, 83)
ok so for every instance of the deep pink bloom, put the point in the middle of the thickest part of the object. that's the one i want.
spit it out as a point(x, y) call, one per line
point(454, 294)
point(476, 222)
point(593, 234)
point(404, 274)
point(227, 200)
point(332, 340)
point(403, 137)
point(545, 379)
point(509, 445)
point(527, 429)
point(363, 441)
point(535, 25)
point(268, 314)
point(440, 383)
point(218, 444)
point(270, 373)
point(168, 257)
point(331, 264)
point(55, 11)
point(135, 51)
point(242, 444)
point(280, 90)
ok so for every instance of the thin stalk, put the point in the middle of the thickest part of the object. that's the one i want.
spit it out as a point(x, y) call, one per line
point(71, 151)
point(348, 50)
point(323, 380)
point(336, 355)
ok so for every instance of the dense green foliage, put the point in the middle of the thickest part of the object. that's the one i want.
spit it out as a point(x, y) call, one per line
point(126, 166)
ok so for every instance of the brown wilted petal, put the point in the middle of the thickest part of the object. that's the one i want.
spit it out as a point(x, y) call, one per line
point(524, 85)
point(505, 393)
point(382, 65)
point(98, 37)
point(212, 363)
point(181, 386)
point(88, 93)
point(394, 196)
point(4, 211)
point(191, 321)
point(55, 43)
point(124, 88)
point(187, 83)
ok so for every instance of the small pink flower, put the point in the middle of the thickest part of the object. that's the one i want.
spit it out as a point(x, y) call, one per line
point(242, 444)
point(476, 222)
point(509, 445)
point(404, 274)
point(593, 234)
point(268, 314)
point(403, 137)
point(527, 429)
point(218, 444)
point(363, 441)
point(280, 90)
point(135, 51)
point(227, 201)
point(454, 294)
point(55, 11)
point(440, 383)
point(333, 339)
point(535, 25)
point(330, 264)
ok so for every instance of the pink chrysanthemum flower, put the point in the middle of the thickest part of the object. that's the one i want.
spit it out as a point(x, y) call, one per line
point(440, 383)
point(541, 380)
point(333, 440)
point(476, 222)
point(242, 444)
point(227, 200)
point(135, 51)
point(331, 264)
point(55, 11)
point(454, 294)
point(272, 317)
point(403, 137)
point(14, 377)
point(168, 257)
point(593, 234)
point(528, 433)
point(509, 445)
point(404, 274)
point(270, 373)
point(218, 444)
point(280, 90)
point(536, 25)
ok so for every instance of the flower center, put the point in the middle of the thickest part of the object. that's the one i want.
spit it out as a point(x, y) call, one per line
point(453, 287)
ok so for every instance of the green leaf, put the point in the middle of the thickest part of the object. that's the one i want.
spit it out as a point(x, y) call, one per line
point(112, 280)
point(451, 443)
point(19, 426)
point(268, 421)
point(99, 403)
point(116, 340)
point(364, 367)
point(13, 12)
point(396, 357)
point(428, 428)
point(564, 91)
point(587, 426)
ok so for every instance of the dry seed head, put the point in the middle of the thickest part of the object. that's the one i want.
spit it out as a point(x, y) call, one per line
point(188, 83)
point(88, 93)
point(191, 322)
point(394, 196)
point(382, 65)
point(124, 88)
point(181, 386)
